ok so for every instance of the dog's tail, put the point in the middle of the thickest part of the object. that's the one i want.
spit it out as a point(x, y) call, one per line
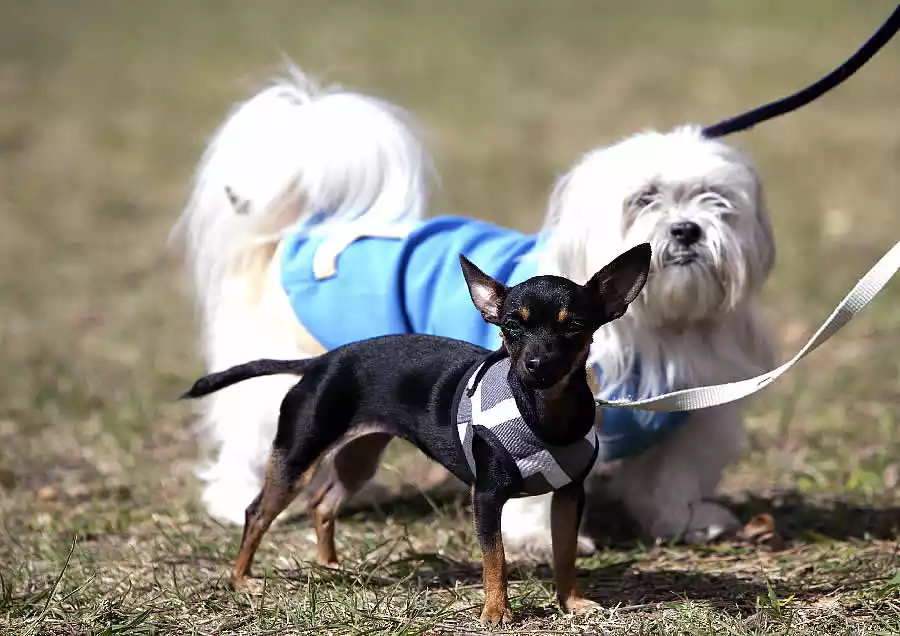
point(294, 157)
point(216, 381)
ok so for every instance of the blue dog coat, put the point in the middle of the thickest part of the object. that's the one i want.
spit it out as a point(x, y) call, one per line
point(412, 283)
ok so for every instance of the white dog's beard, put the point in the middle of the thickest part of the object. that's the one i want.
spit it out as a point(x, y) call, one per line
point(692, 282)
point(681, 293)
point(688, 284)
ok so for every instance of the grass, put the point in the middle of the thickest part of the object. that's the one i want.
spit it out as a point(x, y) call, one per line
point(105, 108)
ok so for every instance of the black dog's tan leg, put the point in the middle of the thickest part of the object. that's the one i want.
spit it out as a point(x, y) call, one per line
point(278, 491)
point(326, 552)
point(565, 518)
point(297, 450)
point(487, 507)
point(350, 465)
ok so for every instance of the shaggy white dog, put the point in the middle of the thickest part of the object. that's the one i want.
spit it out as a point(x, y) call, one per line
point(700, 205)
point(299, 158)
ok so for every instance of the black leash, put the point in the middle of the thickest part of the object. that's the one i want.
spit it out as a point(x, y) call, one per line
point(792, 102)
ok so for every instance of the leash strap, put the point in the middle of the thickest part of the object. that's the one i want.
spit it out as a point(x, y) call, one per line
point(792, 102)
point(703, 397)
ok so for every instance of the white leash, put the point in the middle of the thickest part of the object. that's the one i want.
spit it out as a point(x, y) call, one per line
point(703, 397)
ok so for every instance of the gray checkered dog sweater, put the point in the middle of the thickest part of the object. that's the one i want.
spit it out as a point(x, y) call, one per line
point(492, 410)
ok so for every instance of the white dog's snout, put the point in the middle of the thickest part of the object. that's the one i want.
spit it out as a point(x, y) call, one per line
point(685, 233)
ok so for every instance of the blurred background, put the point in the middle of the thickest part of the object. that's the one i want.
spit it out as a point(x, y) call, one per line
point(106, 106)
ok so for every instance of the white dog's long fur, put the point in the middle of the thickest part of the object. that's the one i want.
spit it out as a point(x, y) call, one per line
point(294, 151)
point(287, 154)
point(692, 325)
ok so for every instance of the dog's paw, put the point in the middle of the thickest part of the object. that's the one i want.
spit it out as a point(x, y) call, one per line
point(332, 563)
point(538, 542)
point(241, 584)
point(226, 502)
point(702, 522)
point(585, 546)
point(702, 536)
point(495, 614)
point(580, 605)
point(532, 543)
point(711, 521)
point(526, 525)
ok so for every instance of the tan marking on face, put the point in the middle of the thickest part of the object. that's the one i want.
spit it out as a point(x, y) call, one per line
point(562, 315)
point(525, 313)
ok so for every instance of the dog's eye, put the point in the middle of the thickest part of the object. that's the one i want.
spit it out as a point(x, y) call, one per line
point(512, 327)
point(644, 198)
point(572, 327)
point(715, 200)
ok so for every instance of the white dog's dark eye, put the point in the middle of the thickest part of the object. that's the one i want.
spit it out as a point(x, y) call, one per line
point(644, 198)
point(714, 199)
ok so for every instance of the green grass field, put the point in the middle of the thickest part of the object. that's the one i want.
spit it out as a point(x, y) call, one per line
point(105, 108)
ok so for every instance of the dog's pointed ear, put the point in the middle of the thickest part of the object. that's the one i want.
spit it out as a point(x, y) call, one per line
point(620, 282)
point(487, 293)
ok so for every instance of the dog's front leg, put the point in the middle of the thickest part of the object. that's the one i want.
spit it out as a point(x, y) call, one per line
point(667, 489)
point(487, 507)
point(565, 518)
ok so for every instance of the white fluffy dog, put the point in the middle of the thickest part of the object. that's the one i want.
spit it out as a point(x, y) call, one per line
point(329, 162)
point(700, 205)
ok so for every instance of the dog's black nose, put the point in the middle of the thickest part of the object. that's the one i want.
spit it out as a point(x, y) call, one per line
point(685, 232)
point(532, 364)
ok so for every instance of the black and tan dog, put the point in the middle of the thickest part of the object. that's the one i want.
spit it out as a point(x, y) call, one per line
point(515, 422)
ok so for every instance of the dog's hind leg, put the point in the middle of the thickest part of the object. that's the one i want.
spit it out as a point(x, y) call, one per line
point(350, 465)
point(277, 493)
point(296, 453)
